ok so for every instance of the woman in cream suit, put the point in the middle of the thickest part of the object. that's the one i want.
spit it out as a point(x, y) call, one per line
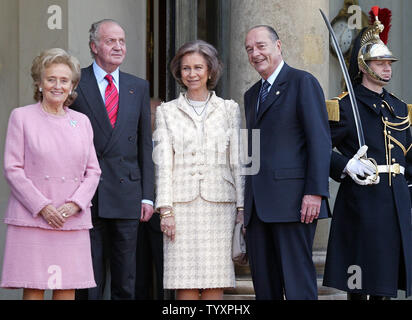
point(198, 183)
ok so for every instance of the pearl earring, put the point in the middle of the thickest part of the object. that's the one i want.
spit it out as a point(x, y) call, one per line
point(40, 89)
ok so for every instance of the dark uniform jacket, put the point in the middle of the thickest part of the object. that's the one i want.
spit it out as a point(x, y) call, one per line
point(371, 225)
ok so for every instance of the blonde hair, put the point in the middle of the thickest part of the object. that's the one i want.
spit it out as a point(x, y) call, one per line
point(45, 60)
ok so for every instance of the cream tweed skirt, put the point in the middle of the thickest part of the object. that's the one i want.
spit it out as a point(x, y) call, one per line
point(201, 255)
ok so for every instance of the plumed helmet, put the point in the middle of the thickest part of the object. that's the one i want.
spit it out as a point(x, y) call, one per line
point(372, 47)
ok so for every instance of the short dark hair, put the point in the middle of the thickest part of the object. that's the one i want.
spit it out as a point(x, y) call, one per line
point(210, 54)
point(272, 32)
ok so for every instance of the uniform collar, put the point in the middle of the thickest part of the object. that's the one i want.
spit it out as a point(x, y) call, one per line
point(370, 98)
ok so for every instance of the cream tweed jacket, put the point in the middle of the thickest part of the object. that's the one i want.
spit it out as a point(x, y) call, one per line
point(192, 160)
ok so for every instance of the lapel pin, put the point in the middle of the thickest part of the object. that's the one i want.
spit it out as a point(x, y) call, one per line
point(131, 91)
point(277, 93)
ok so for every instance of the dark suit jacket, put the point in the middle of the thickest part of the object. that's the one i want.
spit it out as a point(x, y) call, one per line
point(295, 147)
point(125, 152)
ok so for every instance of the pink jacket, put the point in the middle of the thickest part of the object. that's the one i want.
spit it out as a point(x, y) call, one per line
point(49, 160)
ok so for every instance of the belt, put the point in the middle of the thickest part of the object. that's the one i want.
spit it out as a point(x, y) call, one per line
point(394, 168)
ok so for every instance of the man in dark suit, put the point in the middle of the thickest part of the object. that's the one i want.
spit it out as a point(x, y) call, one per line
point(289, 193)
point(118, 107)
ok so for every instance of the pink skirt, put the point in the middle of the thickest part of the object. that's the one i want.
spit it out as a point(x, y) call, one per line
point(47, 259)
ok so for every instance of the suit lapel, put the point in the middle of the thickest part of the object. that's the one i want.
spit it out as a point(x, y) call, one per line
point(252, 98)
point(184, 107)
point(213, 105)
point(275, 92)
point(90, 90)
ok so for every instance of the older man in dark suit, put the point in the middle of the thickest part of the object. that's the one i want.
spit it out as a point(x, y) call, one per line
point(118, 107)
point(286, 197)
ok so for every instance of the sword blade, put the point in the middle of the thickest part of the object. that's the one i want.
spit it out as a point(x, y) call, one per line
point(355, 109)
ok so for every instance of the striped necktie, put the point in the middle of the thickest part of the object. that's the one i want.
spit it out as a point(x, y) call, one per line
point(263, 94)
point(111, 100)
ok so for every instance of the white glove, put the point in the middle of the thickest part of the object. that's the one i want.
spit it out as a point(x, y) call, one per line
point(358, 166)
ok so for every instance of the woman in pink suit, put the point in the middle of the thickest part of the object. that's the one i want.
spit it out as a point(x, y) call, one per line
point(51, 167)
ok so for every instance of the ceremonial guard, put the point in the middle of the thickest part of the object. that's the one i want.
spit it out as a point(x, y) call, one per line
point(370, 242)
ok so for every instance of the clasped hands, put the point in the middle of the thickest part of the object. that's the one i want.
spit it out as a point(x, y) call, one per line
point(57, 217)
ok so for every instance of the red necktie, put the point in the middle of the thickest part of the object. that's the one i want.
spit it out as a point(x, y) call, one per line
point(111, 99)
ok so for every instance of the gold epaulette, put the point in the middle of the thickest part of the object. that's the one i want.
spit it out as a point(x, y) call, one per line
point(342, 95)
point(410, 113)
point(332, 106)
point(333, 110)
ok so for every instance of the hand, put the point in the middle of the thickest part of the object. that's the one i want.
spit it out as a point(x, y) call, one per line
point(240, 218)
point(52, 216)
point(310, 208)
point(146, 212)
point(168, 225)
point(359, 166)
point(68, 209)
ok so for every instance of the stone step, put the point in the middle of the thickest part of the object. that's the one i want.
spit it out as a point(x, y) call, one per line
point(244, 285)
point(336, 296)
point(326, 291)
point(319, 259)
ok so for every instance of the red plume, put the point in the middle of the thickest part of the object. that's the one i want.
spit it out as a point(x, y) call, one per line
point(384, 15)
point(375, 10)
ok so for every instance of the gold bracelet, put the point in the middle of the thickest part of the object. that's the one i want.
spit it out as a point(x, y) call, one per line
point(165, 212)
point(167, 215)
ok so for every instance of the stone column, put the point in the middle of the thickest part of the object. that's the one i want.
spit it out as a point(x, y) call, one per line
point(305, 42)
point(9, 93)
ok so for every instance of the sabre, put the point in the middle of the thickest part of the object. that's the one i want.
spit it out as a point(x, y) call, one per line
point(361, 154)
point(355, 109)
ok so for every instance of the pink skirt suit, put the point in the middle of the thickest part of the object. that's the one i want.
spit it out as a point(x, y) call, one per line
point(48, 160)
